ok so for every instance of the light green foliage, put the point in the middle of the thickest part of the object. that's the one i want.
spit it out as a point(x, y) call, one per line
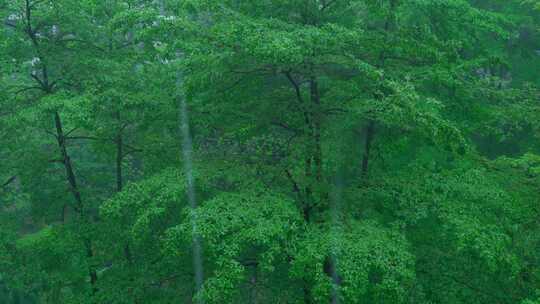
point(239, 230)
point(374, 264)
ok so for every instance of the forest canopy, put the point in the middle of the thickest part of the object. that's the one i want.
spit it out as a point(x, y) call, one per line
point(270, 151)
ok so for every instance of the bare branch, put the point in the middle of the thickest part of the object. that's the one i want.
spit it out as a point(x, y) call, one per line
point(51, 133)
point(131, 148)
point(71, 131)
point(87, 137)
point(285, 126)
point(327, 4)
point(296, 86)
point(335, 111)
point(296, 188)
point(87, 43)
point(26, 89)
point(9, 181)
point(33, 4)
point(41, 83)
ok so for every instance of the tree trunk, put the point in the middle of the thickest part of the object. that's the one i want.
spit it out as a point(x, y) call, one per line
point(91, 270)
point(67, 163)
point(307, 295)
point(76, 194)
point(253, 285)
point(317, 153)
point(369, 134)
point(119, 157)
point(48, 87)
point(308, 203)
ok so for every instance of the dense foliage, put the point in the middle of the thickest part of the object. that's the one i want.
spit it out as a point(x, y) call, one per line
point(270, 151)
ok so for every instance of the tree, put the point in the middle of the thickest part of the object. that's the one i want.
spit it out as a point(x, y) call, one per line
point(344, 151)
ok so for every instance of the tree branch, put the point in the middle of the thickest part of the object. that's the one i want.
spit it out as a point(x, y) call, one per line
point(71, 131)
point(295, 85)
point(285, 126)
point(9, 181)
point(327, 5)
point(132, 149)
point(26, 89)
point(294, 183)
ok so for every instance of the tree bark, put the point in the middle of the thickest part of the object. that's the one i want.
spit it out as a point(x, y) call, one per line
point(76, 194)
point(67, 164)
point(370, 128)
point(308, 159)
point(91, 270)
